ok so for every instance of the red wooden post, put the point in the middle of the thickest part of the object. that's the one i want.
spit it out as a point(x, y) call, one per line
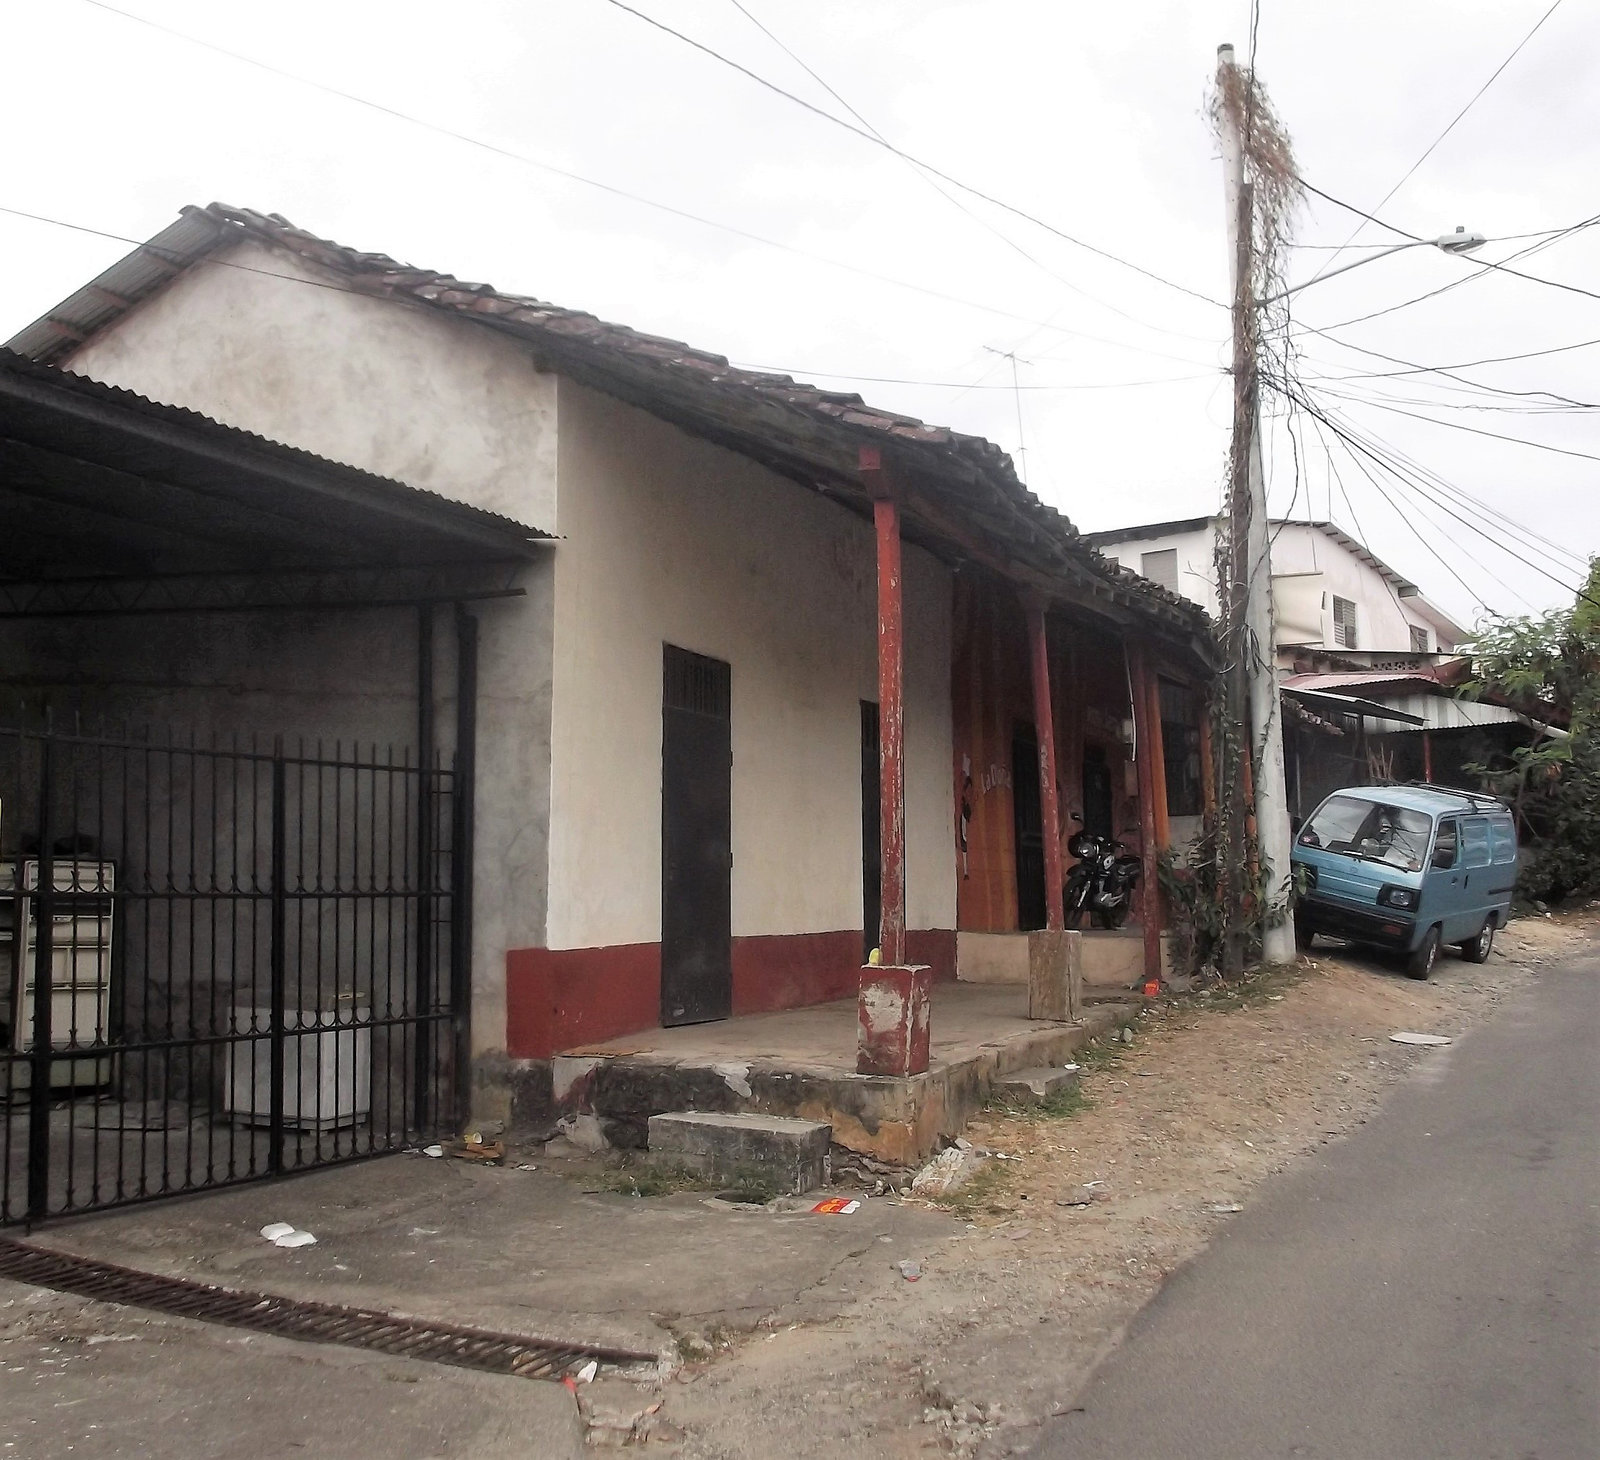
point(1148, 746)
point(1044, 726)
point(891, 715)
point(1427, 757)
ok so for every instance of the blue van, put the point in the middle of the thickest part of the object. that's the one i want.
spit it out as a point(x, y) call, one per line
point(1407, 868)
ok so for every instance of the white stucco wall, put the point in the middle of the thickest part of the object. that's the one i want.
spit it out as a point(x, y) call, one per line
point(1312, 563)
point(668, 538)
point(275, 346)
point(435, 402)
point(1197, 569)
point(1383, 618)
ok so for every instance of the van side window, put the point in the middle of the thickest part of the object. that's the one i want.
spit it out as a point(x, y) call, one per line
point(1475, 842)
point(1444, 846)
point(1502, 841)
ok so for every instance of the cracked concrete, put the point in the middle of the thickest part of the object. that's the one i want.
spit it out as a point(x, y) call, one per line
point(526, 1251)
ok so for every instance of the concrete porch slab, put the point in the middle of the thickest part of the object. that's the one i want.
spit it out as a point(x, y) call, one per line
point(801, 1063)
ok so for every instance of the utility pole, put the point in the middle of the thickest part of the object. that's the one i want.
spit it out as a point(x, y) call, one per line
point(1250, 554)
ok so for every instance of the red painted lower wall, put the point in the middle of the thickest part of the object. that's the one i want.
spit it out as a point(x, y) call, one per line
point(558, 998)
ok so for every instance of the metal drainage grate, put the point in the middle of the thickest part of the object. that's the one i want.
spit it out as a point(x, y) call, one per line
point(439, 1343)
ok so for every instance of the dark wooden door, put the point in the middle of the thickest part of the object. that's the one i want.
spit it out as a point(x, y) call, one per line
point(1097, 814)
point(696, 839)
point(871, 833)
point(1029, 821)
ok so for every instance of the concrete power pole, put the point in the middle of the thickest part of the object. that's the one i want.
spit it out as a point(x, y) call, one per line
point(1266, 721)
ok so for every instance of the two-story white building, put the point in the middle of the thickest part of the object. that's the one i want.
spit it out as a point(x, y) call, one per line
point(1370, 669)
point(1329, 592)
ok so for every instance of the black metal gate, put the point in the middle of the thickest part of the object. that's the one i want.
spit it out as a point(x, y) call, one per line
point(222, 962)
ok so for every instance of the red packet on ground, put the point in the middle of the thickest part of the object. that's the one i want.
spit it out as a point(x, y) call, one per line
point(837, 1206)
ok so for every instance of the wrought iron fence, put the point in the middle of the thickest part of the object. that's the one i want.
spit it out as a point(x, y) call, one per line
point(219, 962)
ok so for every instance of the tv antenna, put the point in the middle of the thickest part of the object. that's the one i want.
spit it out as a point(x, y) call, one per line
point(1016, 394)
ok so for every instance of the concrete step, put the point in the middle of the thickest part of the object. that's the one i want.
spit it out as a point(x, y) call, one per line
point(1033, 1087)
point(774, 1151)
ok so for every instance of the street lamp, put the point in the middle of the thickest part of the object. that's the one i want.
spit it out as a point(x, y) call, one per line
point(1457, 243)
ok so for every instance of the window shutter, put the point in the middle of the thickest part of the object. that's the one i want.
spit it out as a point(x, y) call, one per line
point(1344, 622)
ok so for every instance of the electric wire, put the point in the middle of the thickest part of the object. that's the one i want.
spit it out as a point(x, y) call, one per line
point(1454, 121)
point(1482, 265)
point(1038, 326)
point(799, 373)
point(1474, 594)
point(1447, 373)
point(1354, 437)
point(1463, 364)
point(877, 141)
point(1535, 542)
point(610, 189)
point(1480, 431)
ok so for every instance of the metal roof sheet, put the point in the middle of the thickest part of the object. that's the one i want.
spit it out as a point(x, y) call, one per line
point(98, 480)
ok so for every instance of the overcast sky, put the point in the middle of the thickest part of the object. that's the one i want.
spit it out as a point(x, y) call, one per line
point(1089, 116)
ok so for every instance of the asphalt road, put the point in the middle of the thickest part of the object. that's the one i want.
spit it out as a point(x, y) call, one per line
point(1428, 1288)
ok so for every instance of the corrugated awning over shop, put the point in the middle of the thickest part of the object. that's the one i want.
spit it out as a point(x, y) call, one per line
point(104, 494)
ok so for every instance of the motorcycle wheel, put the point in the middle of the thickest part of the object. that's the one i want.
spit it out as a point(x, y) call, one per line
point(1111, 917)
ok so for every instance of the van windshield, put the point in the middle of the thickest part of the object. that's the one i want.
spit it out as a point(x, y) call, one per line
point(1371, 830)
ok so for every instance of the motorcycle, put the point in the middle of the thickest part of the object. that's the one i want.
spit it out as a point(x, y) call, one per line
point(1102, 882)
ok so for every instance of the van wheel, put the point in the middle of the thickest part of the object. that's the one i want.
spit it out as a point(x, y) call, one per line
point(1476, 950)
point(1420, 963)
point(1303, 936)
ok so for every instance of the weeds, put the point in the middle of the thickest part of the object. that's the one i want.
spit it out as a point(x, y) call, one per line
point(1060, 1105)
point(633, 1176)
point(981, 1194)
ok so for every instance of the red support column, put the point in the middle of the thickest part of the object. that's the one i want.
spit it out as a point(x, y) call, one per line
point(1148, 745)
point(894, 999)
point(891, 732)
point(1044, 727)
point(891, 715)
point(1427, 757)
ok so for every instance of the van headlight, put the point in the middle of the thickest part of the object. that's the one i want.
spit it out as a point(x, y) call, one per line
point(1401, 897)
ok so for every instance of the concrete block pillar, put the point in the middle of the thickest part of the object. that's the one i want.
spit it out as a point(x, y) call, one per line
point(1055, 974)
point(892, 1020)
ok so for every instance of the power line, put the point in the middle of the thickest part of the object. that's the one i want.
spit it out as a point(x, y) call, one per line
point(1470, 503)
point(1392, 458)
point(1446, 372)
point(1460, 364)
point(877, 141)
point(1038, 325)
point(1353, 436)
point(1344, 247)
point(1499, 526)
point(1482, 265)
point(568, 175)
point(1429, 150)
point(1479, 431)
point(800, 372)
point(1350, 448)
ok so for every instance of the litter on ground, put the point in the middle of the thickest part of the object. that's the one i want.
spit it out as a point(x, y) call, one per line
point(1406, 1037)
point(837, 1206)
point(283, 1234)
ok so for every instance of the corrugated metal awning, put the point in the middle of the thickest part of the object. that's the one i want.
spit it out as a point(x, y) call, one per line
point(97, 482)
point(1350, 705)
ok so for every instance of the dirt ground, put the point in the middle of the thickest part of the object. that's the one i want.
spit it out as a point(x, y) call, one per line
point(1011, 1314)
point(780, 1332)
